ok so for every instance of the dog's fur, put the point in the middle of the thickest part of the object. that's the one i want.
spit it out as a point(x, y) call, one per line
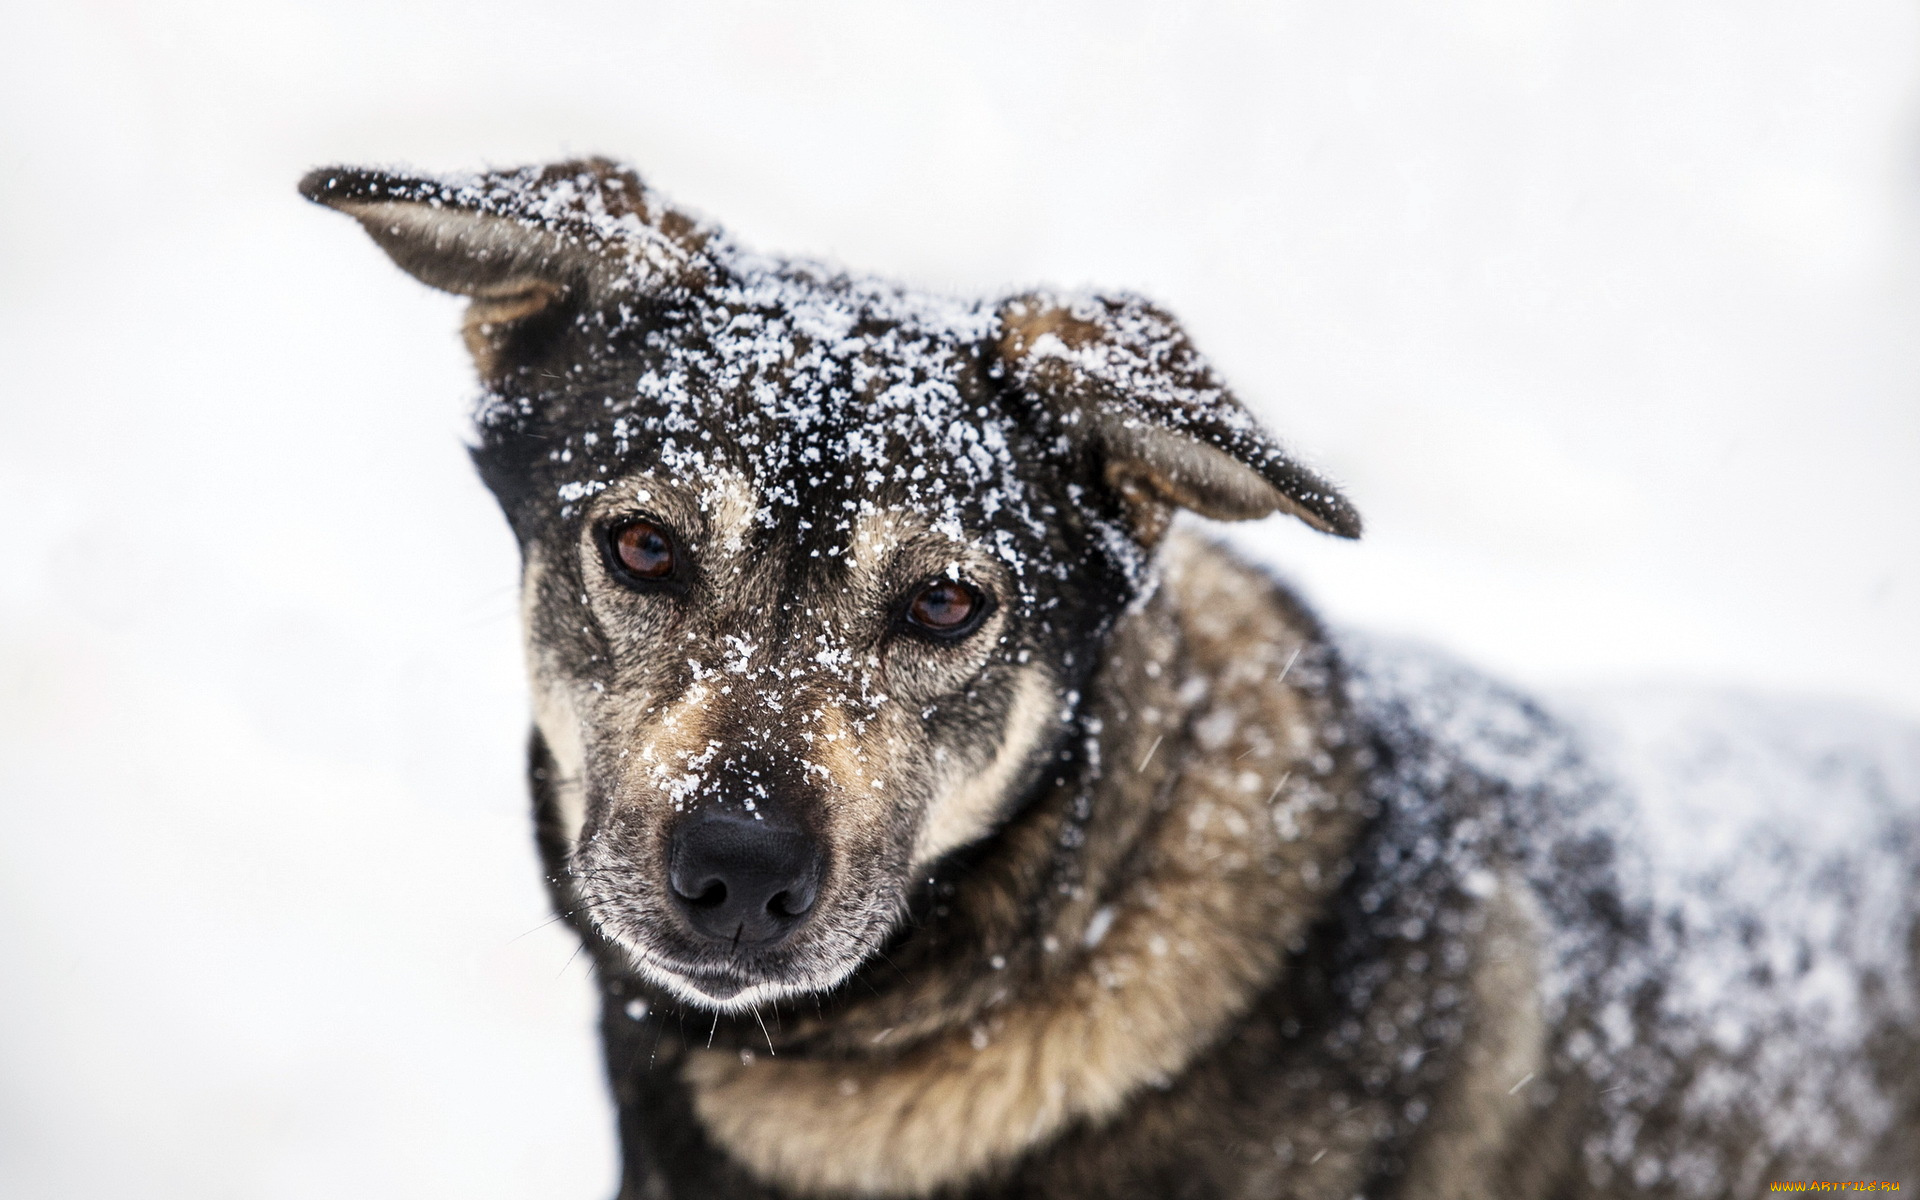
point(1142, 888)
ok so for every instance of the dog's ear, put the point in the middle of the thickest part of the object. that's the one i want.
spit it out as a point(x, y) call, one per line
point(1123, 384)
point(521, 243)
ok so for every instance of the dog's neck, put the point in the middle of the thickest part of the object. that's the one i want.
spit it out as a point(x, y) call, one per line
point(1039, 991)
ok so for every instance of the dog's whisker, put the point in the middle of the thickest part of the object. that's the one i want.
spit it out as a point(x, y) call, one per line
point(659, 1032)
point(763, 1031)
point(561, 916)
point(576, 954)
point(885, 958)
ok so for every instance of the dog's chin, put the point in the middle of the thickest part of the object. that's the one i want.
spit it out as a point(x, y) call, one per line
point(731, 992)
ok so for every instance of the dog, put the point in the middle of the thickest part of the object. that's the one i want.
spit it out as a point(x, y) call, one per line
point(944, 818)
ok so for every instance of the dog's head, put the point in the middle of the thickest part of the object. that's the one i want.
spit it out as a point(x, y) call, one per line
point(815, 568)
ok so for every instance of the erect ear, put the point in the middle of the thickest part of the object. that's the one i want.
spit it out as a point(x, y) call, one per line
point(521, 242)
point(1123, 383)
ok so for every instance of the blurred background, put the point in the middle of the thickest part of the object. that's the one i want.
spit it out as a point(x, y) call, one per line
point(1606, 312)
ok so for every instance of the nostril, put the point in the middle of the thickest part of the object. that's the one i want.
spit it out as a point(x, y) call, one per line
point(713, 895)
point(788, 905)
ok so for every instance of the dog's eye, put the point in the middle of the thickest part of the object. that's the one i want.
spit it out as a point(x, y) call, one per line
point(946, 608)
point(640, 551)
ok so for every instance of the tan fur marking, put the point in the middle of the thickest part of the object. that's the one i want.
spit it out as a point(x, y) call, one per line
point(1131, 1018)
point(1168, 471)
point(971, 796)
point(875, 537)
point(1476, 1115)
point(1148, 510)
point(835, 750)
point(680, 733)
point(482, 330)
point(554, 714)
point(1023, 324)
point(729, 502)
point(559, 725)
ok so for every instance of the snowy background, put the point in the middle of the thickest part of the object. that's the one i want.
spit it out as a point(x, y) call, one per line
point(1607, 314)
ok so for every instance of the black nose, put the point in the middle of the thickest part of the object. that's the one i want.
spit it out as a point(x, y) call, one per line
point(743, 881)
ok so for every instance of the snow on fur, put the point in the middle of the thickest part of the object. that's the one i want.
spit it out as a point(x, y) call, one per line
point(1757, 854)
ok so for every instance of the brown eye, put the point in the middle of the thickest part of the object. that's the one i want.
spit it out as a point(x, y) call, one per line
point(946, 607)
point(642, 551)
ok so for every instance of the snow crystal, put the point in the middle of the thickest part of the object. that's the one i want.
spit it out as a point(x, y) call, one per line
point(1097, 928)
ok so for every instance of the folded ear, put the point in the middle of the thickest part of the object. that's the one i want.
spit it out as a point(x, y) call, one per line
point(1121, 381)
point(521, 242)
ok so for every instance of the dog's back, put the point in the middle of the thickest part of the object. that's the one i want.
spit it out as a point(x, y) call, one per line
point(1724, 896)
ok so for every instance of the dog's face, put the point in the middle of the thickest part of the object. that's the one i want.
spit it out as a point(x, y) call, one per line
point(801, 616)
point(814, 568)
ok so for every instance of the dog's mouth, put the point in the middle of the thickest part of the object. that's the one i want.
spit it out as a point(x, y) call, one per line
point(731, 989)
point(717, 987)
point(720, 989)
